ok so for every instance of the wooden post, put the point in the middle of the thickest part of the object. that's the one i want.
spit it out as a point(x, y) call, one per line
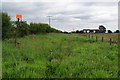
point(92, 36)
point(15, 38)
point(96, 38)
point(16, 33)
point(89, 35)
point(110, 41)
point(102, 39)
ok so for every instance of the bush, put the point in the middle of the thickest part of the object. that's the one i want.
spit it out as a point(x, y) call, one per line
point(7, 29)
point(22, 28)
point(109, 31)
point(117, 31)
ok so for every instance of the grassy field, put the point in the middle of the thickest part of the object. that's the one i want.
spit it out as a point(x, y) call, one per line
point(59, 56)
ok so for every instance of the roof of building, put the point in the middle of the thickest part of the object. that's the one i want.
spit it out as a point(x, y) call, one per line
point(90, 29)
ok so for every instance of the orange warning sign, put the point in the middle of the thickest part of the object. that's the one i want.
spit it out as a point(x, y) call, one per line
point(18, 16)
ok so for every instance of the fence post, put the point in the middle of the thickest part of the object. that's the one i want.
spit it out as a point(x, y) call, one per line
point(92, 36)
point(96, 38)
point(15, 37)
point(102, 39)
point(110, 41)
point(89, 35)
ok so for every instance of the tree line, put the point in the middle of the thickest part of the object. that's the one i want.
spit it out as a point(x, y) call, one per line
point(11, 29)
point(101, 28)
point(21, 28)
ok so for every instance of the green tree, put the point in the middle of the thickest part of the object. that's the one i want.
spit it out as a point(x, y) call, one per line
point(81, 31)
point(7, 29)
point(23, 28)
point(0, 25)
point(37, 28)
point(102, 29)
point(77, 31)
point(109, 31)
point(117, 31)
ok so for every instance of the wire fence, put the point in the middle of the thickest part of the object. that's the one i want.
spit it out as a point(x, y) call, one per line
point(112, 38)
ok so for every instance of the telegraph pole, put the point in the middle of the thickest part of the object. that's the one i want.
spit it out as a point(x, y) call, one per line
point(73, 29)
point(49, 19)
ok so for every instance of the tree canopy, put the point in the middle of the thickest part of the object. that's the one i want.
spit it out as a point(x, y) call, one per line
point(109, 31)
point(6, 26)
point(102, 29)
point(117, 31)
point(21, 28)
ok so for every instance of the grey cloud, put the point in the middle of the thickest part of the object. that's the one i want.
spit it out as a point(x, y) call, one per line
point(83, 17)
point(101, 21)
point(62, 13)
point(99, 4)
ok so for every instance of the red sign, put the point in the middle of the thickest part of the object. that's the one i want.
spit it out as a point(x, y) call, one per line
point(18, 16)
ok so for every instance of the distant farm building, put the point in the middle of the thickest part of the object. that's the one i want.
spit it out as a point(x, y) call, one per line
point(91, 30)
point(101, 29)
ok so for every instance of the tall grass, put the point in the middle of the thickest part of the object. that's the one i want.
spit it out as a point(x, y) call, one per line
point(59, 56)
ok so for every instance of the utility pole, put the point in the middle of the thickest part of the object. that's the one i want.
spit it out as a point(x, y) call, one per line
point(73, 29)
point(49, 19)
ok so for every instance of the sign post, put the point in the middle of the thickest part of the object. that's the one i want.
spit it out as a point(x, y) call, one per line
point(18, 16)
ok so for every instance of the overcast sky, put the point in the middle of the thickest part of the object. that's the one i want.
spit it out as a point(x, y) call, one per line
point(66, 15)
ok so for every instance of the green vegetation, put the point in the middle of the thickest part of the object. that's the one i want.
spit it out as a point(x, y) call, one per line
point(6, 26)
point(117, 31)
point(102, 29)
point(106, 36)
point(21, 28)
point(57, 55)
